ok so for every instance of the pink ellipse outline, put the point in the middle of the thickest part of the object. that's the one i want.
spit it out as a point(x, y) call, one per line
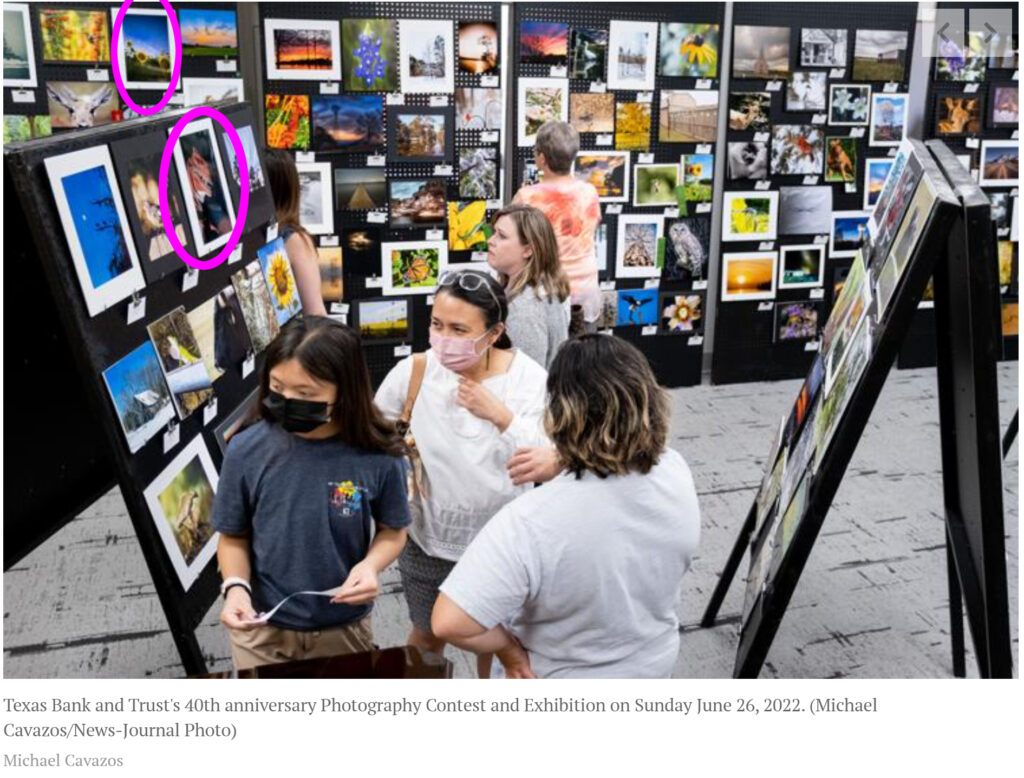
point(115, 65)
point(243, 170)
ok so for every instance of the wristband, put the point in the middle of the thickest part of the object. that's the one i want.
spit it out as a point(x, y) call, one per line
point(233, 581)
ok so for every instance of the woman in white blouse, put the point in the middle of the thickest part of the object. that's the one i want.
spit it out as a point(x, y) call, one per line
point(469, 403)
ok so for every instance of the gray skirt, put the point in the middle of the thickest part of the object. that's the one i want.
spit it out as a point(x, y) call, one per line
point(422, 575)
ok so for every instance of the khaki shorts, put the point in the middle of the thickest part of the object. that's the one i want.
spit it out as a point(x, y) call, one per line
point(267, 644)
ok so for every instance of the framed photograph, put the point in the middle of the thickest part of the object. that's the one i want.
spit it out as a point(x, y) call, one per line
point(840, 160)
point(418, 203)
point(747, 160)
point(636, 250)
point(608, 171)
point(849, 105)
point(588, 54)
point(180, 501)
point(370, 50)
point(478, 47)
point(806, 91)
point(478, 173)
point(590, 112)
point(260, 209)
point(687, 250)
point(96, 226)
point(427, 56)
point(74, 35)
point(540, 100)
point(632, 55)
point(205, 321)
point(805, 210)
point(139, 393)
point(957, 115)
point(797, 150)
point(543, 43)
point(688, 116)
point(801, 266)
point(420, 134)
point(316, 205)
point(748, 275)
point(302, 49)
point(412, 267)
point(876, 170)
point(231, 334)
point(688, 50)
point(637, 308)
point(956, 63)
point(332, 273)
point(888, 118)
point(750, 216)
point(681, 313)
point(360, 189)
point(181, 360)
point(206, 91)
point(138, 171)
point(253, 297)
point(277, 270)
point(208, 32)
point(478, 109)
point(796, 321)
point(287, 120)
point(655, 185)
point(1003, 106)
point(750, 110)
point(849, 231)
point(1000, 163)
point(145, 48)
point(348, 123)
point(632, 126)
point(760, 52)
point(73, 104)
point(823, 48)
point(698, 171)
point(880, 55)
point(383, 320)
point(19, 48)
point(211, 214)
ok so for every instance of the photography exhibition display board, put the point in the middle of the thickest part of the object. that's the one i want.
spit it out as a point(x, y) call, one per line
point(918, 226)
point(640, 83)
point(817, 102)
point(971, 106)
point(395, 114)
point(167, 358)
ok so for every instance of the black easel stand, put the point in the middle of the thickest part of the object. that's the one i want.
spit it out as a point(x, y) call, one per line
point(1011, 434)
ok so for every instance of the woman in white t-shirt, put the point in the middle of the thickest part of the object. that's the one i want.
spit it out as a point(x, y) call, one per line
point(580, 578)
point(469, 403)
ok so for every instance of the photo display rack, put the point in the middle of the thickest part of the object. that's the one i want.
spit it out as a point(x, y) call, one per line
point(359, 232)
point(99, 341)
point(748, 343)
point(942, 225)
point(975, 87)
point(676, 357)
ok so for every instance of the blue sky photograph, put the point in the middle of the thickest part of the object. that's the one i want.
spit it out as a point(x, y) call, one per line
point(97, 225)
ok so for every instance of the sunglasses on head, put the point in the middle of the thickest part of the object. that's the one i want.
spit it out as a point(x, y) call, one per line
point(468, 280)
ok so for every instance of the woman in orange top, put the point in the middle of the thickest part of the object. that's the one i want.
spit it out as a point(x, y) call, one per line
point(573, 209)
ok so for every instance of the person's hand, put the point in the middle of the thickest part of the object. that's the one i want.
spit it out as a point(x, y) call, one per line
point(237, 612)
point(360, 587)
point(481, 402)
point(516, 661)
point(534, 464)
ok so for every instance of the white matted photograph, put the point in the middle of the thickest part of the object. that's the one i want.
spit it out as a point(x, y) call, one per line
point(999, 163)
point(316, 190)
point(749, 275)
point(750, 215)
point(540, 100)
point(206, 91)
point(96, 226)
point(412, 267)
point(426, 56)
point(19, 47)
point(849, 231)
point(211, 214)
point(636, 250)
point(145, 48)
point(801, 266)
point(849, 105)
point(632, 54)
point(302, 49)
point(888, 118)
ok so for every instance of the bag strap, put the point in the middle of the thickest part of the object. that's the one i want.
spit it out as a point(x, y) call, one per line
point(419, 368)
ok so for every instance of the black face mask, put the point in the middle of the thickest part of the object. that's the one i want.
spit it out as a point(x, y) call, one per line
point(296, 415)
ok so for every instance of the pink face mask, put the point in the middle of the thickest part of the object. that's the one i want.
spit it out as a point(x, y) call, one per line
point(456, 354)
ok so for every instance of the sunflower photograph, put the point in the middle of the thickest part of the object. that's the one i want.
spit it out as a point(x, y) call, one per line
point(278, 272)
point(689, 50)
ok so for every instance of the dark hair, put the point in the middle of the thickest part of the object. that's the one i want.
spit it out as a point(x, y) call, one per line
point(330, 351)
point(284, 186)
point(494, 312)
point(606, 412)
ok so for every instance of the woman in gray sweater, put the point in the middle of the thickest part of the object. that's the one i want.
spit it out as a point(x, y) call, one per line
point(524, 251)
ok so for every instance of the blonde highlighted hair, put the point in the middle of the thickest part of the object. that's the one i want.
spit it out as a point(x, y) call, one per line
point(606, 412)
point(543, 269)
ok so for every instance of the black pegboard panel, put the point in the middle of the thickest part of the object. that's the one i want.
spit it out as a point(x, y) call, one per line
point(357, 269)
point(919, 350)
point(744, 348)
point(675, 360)
point(191, 67)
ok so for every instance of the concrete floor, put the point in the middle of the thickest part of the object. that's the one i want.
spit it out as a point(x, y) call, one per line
point(872, 601)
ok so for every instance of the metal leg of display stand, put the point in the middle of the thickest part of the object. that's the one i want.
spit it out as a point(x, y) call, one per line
point(1011, 434)
point(956, 614)
point(731, 564)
